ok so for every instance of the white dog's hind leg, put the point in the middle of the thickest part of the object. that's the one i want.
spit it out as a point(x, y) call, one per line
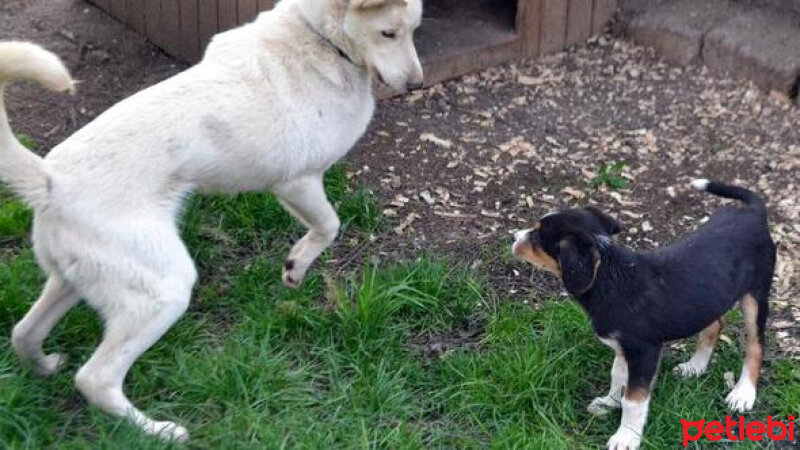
point(305, 199)
point(28, 335)
point(134, 320)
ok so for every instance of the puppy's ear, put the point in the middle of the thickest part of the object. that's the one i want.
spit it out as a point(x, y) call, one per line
point(610, 224)
point(579, 259)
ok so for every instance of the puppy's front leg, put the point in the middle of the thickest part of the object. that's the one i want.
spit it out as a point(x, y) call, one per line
point(642, 367)
point(305, 199)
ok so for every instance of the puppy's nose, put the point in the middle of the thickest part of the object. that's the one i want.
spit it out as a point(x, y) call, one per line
point(413, 85)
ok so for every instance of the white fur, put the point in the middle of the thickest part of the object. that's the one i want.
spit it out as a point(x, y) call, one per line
point(271, 106)
point(520, 237)
point(619, 378)
point(629, 434)
point(698, 363)
point(701, 184)
point(743, 396)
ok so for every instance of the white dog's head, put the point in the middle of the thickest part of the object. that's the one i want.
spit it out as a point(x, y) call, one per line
point(382, 32)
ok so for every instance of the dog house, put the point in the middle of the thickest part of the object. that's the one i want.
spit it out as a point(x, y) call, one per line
point(456, 37)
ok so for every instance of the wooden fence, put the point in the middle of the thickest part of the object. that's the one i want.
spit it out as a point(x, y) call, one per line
point(461, 36)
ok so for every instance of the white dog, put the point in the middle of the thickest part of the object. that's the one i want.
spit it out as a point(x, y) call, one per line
point(272, 105)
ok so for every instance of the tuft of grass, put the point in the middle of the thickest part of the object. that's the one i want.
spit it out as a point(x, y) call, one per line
point(15, 218)
point(26, 141)
point(356, 206)
point(610, 176)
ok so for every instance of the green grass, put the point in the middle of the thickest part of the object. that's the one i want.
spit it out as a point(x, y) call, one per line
point(331, 365)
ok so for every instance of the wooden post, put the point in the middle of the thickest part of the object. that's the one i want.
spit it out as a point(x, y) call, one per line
point(135, 14)
point(226, 15)
point(579, 23)
point(207, 12)
point(152, 22)
point(554, 26)
point(265, 5)
point(189, 30)
point(528, 26)
point(603, 12)
point(170, 26)
point(247, 11)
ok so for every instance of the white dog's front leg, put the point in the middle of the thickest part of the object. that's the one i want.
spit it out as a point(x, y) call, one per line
point(305, 199)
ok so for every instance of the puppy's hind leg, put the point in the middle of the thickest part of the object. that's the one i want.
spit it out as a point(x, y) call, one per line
point(619, 377)
point(706, 341)
point(305, 199)
point(743, 395)
point(29, 334)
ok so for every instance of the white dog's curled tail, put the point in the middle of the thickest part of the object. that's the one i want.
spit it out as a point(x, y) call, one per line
point(20, 168)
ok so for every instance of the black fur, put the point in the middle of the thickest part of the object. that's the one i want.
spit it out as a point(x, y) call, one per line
point(643, 299)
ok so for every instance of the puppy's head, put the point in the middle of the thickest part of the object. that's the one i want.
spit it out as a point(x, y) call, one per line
point(383, 33)
point(567, 244)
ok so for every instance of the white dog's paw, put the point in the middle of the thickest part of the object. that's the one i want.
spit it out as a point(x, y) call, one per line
point(167, 430)
point(624, 439)
point(742, 397)
point(49, 365)
point(601, 406)
point(690, 369)
point(293, 273)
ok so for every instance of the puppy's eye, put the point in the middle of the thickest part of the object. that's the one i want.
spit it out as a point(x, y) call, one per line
point(389, 34)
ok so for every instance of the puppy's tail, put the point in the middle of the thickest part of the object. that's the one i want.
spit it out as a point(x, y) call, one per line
point(22, 170)
point(747, 196)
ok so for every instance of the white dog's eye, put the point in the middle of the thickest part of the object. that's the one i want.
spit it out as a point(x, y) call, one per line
point(389, 34)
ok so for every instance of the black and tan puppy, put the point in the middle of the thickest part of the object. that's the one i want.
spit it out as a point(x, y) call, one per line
point(637, 301)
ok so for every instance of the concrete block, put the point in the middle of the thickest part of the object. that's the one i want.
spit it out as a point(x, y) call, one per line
point(762, 45)
point(676, 29)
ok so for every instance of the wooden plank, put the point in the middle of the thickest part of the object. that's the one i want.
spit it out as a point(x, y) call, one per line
point(444, 66)
point(226, 14)
point(603, 12)
point(265, 5)
point(529, 26)
point(247, 11)
point(152, 21)
point(579, 22)
point(208, 21)
point(135, 13)
point(170, 26)
point(118, 10)
point(554, 26)
point(190, 30)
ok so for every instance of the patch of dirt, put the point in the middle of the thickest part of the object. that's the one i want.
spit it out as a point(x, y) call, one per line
point(459, 166)
point(468, 337)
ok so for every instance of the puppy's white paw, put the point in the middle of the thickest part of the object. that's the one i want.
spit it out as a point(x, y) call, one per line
point(742, 397)
point(601, 406)
point(49, 365)
point(168, 431)
point(691, 369)
point(624, 439)
point(293, 273)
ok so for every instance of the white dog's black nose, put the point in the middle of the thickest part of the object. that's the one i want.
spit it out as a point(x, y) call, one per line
point(414, 85)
